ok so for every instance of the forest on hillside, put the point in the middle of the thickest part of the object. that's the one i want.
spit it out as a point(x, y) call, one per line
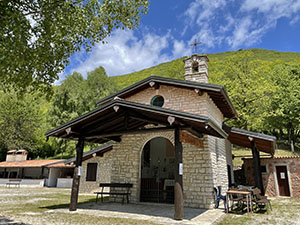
point(263, 85)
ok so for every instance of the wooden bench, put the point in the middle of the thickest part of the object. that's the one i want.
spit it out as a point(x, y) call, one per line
point(15, 182)
point(121, 189)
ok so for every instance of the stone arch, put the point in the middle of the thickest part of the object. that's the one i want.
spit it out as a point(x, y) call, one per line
point(195, 67)
point(158, 170)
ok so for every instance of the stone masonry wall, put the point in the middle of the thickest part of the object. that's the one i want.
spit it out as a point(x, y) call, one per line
point(181, 99)
point(203, 166)
point(104, 170)
point(197, 177)
point(213, 112)
point(270, 179)
point(176, 98)
point(218, 162)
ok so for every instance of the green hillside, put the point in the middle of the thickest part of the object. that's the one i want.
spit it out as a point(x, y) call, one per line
point(175, 68)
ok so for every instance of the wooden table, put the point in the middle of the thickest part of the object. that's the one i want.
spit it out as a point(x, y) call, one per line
point(239, 192)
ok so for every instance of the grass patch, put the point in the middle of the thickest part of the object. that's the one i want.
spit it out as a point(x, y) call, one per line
point(284, 211)
point(39, 205)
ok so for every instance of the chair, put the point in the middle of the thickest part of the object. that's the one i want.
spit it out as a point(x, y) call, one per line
point(260, 200)
point(219, 197)
point(236, 199)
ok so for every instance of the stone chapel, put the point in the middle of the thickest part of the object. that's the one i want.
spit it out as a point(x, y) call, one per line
point(137, 124)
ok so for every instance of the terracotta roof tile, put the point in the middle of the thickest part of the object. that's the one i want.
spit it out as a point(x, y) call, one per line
point(31, 163)
point(60, 165)
point(287, 157)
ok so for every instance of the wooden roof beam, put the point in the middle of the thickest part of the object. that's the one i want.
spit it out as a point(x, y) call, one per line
point(135, 131)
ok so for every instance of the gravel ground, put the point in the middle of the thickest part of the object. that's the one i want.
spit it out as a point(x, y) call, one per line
point(50, 206)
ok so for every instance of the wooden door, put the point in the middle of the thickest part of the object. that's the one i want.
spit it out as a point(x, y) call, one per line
point(283, 181)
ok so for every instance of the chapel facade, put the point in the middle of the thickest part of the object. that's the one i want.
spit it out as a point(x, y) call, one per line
point(164, 136)
point(147, 160)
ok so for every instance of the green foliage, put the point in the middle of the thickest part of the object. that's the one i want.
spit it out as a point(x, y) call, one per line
point(247, 82)
point(99, 85)
point(38, 37)
point(284, 111)
point(263, 86)
point(173, 69)
point(76, 96)
point(168, 69)
point(22, 124)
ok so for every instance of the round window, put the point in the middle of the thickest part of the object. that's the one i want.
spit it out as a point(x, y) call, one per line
point(158, 100)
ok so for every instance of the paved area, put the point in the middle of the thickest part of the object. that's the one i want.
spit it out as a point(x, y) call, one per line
point(42, 206)
point(157, 213)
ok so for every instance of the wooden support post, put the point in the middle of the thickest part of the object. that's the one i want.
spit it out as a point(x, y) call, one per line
point(257, 168)
point(178, 188)
point(42, 172)
point(76, 177)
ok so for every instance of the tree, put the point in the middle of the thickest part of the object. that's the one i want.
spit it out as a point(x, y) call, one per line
point(176, 69)
point(76, 96)
point(285, 107)
point(98, 86)
point(22, 123)
point(38, 37)
point(249, 86)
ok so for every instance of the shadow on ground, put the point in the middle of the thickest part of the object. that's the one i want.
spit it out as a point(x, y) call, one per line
point(148, 209)
point(6, 221)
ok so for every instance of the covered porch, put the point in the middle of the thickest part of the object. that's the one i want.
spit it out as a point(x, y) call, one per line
point(120, 117)
point(258, 143)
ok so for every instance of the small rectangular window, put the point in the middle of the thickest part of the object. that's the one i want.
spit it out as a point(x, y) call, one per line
point(263, 169)
point(91, 173)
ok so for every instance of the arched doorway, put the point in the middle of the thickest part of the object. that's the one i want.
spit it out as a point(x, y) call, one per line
point(157, 171)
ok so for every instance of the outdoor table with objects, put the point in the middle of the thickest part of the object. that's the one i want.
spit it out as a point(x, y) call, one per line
point(246, 197)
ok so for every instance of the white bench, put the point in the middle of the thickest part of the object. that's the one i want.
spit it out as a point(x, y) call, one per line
point(14, 182)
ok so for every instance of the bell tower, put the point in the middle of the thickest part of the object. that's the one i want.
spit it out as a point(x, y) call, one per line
point(195, 67)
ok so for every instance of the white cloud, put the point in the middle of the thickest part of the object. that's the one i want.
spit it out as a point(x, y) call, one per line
point(202, 10)
point(295, 20)
point(180, 49)
point(237, 23)
point(125, 53)
point(275, 8)
point(246, 33)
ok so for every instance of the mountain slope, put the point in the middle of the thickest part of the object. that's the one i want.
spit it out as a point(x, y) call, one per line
point(175, 68)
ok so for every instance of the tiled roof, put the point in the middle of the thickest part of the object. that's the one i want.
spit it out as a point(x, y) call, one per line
point(60, 165)
point(287, 157)
point(264, 143)
point(278, 157)
point(96, 122)
point(32, 163)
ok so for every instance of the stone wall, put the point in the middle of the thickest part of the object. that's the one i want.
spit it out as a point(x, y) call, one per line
point(218, 162)
point(125, 159)
point(213, 112)
point(104, 171)
point(197, 176)
point(270, 179)
point(176, 98)
point(181, 99)
point(204, 160)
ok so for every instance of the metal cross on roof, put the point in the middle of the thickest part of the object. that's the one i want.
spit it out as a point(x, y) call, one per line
point(195, 44)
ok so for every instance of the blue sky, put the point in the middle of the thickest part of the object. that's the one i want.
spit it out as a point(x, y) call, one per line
point(170, 26)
